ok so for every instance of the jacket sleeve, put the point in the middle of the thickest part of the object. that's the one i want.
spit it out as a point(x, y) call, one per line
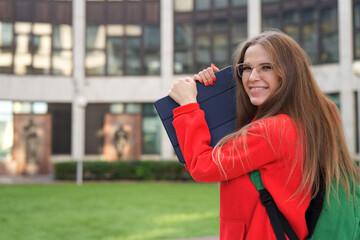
point(261, 146)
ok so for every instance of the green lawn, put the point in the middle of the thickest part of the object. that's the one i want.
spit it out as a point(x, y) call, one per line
point(109, 211)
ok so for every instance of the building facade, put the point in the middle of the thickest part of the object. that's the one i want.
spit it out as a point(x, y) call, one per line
point(84, 71)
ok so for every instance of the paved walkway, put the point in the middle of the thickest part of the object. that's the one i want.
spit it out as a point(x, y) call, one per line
point(39, 179)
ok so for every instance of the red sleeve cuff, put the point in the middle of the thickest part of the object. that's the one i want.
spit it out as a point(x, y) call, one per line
point(185, 109)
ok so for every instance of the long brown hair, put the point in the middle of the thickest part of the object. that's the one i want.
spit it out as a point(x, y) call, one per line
point(317, 119)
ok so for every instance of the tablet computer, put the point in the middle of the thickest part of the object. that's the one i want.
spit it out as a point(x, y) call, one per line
point(217, 101)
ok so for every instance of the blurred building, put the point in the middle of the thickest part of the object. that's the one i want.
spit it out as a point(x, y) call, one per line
point(78, 78)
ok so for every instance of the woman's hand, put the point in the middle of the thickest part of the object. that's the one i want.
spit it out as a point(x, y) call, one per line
point(207, 76)
point(184, 91)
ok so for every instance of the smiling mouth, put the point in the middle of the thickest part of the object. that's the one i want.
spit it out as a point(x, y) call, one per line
point(258, 89)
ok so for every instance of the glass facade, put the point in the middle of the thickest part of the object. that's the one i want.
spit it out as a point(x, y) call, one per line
point(122, 37)
point(61, 125)
point(35, 37)
point(313, 25)
point(207, 31)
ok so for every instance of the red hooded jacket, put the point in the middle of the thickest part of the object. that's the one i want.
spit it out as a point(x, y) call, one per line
point(271, 146)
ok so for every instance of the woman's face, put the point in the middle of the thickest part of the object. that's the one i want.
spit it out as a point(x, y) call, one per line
point(259, 79)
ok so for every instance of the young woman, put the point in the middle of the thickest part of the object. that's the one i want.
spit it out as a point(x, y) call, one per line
point(286, 128)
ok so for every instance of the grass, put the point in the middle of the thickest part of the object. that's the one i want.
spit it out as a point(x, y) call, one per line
point(109, 211)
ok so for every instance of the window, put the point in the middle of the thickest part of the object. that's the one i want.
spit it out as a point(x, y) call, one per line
point(124, 39)
point(202, 4)
point(151, 128)
point(335, 98)
point(35, 37)
point(6, 130)
point(329, 35)
point(183, 5)
point(237, 3)
point(152, 49)
point(30, 107)
point(202, 45)
point(356, 9)
point(39, 107)
point(309, 34)
point(313, 25)
point(61, 128)
point(291, 23)
point(207, 31)
point(220, 4)
point(7, 109)
point(95, 53)
point(62, 49)
point(6, 39)
point(151, 124)
point(183, 42)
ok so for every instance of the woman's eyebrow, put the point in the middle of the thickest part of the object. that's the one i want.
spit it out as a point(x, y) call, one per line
point(263, 63)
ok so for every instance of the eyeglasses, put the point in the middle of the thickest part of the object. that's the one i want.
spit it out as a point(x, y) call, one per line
point(244, 70)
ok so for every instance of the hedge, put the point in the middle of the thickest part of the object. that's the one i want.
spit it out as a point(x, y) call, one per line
point(120, 170)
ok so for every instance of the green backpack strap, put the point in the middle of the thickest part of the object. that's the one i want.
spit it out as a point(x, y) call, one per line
point(255, 177)
point(278, 221)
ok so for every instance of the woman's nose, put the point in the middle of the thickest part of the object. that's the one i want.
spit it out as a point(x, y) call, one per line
point(254, 75)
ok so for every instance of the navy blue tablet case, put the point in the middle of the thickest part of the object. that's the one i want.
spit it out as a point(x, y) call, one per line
point(217, 101)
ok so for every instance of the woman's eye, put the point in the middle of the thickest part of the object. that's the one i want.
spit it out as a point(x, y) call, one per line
point(246, 68)
point(266, 67)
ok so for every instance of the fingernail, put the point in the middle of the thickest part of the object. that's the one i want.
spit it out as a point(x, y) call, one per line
point(214, 78)
point(206, 84)
point(211, 83)
point(213, 65)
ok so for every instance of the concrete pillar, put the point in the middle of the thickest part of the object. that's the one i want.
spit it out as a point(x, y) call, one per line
point(253, 17)
point(78, 102)
point(345, 63)
point(167, 62)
